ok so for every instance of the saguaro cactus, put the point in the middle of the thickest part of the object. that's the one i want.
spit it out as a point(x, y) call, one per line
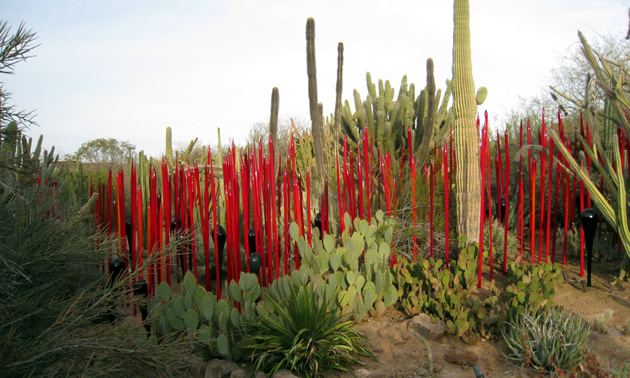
point(468, 177)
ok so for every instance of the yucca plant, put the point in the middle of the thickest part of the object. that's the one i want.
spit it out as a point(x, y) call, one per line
point(306, 336)
point(547, 340)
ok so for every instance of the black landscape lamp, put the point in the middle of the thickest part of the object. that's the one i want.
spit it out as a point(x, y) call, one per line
point(116, 268)
point(589, 225)
point(317, 222)
point(255, 260)
point(221, 238)
point(142, 290)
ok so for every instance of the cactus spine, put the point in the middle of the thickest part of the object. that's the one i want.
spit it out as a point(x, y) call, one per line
point(468, 176)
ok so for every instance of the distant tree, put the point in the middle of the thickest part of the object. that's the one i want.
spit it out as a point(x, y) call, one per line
point(570, 78)
point(286, 127)
point(105, 152)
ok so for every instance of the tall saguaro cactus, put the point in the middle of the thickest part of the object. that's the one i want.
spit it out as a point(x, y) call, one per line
point(316, 115)
point(468, 176)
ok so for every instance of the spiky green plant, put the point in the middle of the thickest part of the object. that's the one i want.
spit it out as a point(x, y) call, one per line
point(600, 323)
point(608, 77)
point(307, 337)
point(547, 340)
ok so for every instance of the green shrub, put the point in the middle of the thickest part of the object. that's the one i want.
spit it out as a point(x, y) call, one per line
point(306, 336)
point(547, 340)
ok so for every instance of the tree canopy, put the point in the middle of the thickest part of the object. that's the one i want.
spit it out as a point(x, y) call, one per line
point(106, 151)
point(569, 77)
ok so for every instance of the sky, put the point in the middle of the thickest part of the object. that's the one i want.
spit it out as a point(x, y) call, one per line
point(128, 69)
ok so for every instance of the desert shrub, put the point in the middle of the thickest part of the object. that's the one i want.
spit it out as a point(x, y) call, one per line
point(498, 241)
point(53, 298)
point(547, 340)
point(305, 335)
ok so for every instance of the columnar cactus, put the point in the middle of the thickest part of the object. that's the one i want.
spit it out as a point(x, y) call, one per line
point(339, 90)
point(273, 122)
point(316, 115)
point(468, 176)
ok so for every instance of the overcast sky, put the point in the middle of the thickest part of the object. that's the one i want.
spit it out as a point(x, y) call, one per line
point(128, 69)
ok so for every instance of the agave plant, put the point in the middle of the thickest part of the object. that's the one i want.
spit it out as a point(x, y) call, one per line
point(306, 336)
point(547, 340)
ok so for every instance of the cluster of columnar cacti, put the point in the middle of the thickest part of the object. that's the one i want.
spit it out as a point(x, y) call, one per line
point(446, 294)
point(170, 158)
point(389, 119)
point(21, 158)
point(216, 323)
point(357, 273)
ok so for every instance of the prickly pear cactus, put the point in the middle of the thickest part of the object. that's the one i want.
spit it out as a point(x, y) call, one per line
point(217, 324)
point(356, 273)
point(446, 293)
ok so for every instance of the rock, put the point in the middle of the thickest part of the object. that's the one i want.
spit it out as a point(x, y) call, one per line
point(220, 368)
point(238, 373)
point(398, 340)
point(260, 374)
point(362, 373)
point(284, 374)
point(423, 325)
point(461, 357)
point(197, 367)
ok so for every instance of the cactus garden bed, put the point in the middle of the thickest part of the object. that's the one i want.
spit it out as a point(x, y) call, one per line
point(399, 353)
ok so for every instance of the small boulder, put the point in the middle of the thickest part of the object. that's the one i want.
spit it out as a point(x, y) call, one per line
point(220, 368)
point(362, 373)
point(238, 373)
point(425, 327)
point(284, 374)
point(461, 357)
